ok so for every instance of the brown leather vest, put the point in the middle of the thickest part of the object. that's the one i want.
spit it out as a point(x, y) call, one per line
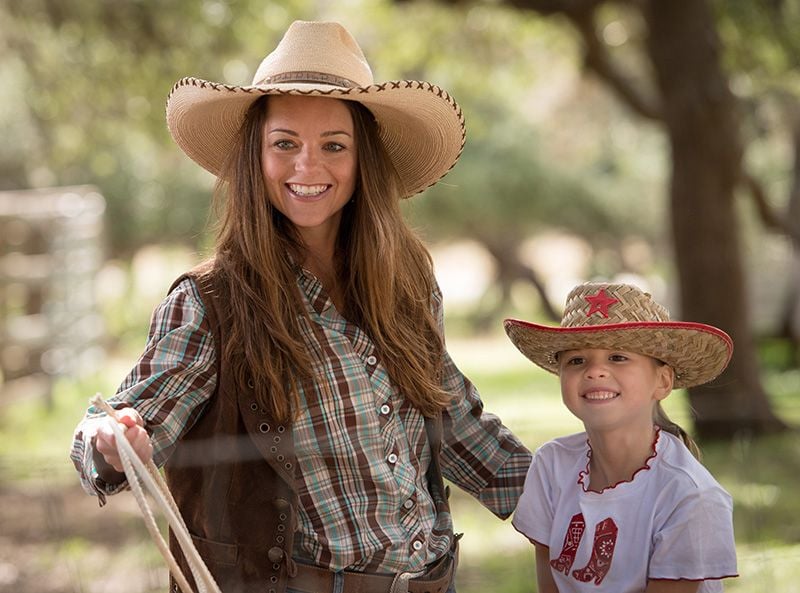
point(233, 478)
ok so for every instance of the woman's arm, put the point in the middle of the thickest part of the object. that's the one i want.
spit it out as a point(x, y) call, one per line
point(544, 576)
point(163, 395)
point(665, 586)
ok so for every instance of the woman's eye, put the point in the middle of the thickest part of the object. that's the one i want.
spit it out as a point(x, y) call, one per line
point(283, 144)
point(334, 147)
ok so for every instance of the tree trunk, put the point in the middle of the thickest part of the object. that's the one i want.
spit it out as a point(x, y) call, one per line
point(701, 120)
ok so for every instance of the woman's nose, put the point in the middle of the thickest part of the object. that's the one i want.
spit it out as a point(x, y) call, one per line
point(307, 158)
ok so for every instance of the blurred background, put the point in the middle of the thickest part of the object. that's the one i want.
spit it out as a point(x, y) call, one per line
point(646, 141)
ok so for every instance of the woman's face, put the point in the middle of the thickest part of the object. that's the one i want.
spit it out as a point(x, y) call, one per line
point(309, 163)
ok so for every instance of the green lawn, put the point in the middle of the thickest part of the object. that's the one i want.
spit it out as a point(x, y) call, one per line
point(763, 476)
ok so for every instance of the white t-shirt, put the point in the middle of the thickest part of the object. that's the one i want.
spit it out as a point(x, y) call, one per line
point(671, 521)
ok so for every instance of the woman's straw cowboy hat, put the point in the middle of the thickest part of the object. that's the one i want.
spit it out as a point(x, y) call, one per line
point(622, 317)
point(421, 125)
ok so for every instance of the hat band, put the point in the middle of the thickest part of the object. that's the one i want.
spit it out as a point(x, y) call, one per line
point(306, 76)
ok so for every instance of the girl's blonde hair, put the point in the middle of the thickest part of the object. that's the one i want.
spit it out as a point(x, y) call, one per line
point(663, 421)
point(385, 271)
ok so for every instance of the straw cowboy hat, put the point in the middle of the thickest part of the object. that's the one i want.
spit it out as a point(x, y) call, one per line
point(421, 125)
point(623, 317)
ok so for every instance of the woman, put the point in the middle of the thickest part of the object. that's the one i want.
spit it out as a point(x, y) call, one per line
point(296, 386)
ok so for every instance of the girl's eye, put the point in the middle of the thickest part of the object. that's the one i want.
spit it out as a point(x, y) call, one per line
point(575, 361)
point(618, 358)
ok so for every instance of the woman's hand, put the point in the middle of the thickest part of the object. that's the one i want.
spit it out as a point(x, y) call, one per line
point(106, 457)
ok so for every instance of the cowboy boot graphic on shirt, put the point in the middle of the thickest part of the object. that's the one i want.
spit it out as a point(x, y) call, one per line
point(572, 540)
point(605, 539)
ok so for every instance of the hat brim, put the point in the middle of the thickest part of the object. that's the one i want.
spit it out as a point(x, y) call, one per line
point(421, 125)
point(698, 353)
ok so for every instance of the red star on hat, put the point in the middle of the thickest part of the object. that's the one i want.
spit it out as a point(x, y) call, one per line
point(599, 303)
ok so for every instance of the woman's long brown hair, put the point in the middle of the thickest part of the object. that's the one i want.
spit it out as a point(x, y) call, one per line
point(385, 271)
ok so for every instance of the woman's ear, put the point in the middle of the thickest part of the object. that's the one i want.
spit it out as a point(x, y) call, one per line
point(665, 379)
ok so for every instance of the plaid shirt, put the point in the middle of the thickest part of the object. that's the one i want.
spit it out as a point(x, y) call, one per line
point(362, 456)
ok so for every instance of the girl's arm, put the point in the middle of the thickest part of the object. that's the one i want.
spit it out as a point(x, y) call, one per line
point(544, 577)
point(665, 586)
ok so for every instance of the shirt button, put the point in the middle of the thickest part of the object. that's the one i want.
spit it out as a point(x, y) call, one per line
point(385, 409)
point(417, 545)
point(392, 458)
point(408, 504)
point(371, 360)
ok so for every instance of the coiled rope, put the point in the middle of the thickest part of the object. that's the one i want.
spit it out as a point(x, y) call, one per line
point(140, 474)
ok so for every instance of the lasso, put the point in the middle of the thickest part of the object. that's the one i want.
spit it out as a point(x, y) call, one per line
point(139, 474)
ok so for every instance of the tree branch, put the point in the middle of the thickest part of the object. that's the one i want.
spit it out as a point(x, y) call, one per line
point(597, 59)
point(769, 217)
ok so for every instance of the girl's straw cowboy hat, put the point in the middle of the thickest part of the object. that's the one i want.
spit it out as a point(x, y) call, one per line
point(421, 125)
point(622, 317)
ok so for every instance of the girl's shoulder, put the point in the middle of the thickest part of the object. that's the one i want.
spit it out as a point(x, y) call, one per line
point(565, 448)
point(675, 459)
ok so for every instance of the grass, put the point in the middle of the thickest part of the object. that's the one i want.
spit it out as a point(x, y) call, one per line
point(762, 475)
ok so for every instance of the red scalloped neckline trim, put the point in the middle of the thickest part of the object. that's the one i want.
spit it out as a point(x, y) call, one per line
point(584, 474)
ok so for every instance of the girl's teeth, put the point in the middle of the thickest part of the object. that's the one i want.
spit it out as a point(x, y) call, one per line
point(307, 190)
point(601, 395)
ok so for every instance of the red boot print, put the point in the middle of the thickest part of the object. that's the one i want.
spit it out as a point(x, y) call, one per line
point(572, 539)
point(605, 539)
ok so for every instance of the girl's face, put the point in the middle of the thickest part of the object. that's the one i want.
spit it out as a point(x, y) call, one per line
point(609, 389)
point(309, 162)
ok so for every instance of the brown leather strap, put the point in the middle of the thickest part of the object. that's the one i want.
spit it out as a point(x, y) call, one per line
point(313, 579)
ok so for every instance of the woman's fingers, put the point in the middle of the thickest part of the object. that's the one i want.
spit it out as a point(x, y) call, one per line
point(105, 442)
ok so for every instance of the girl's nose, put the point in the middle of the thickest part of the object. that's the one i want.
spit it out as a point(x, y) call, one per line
point(596, 370)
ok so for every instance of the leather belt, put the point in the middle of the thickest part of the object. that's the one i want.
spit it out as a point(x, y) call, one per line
point(436, 579)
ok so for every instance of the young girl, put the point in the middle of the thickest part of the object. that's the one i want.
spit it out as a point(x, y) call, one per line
point(625, 506)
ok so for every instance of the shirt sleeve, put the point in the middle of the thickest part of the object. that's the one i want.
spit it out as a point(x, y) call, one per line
point(169, 385)
point(696, 541)
point(535, 511)
point(479, 454)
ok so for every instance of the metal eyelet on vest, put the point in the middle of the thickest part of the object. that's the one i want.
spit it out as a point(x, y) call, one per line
point(283, 517)
point(254, 406)
point(281, 528)
point(288, 466)
point(281, 428)
point(273, 449)
point(273, 579)
point(263, 427)
point(251, 384)
point(279, 539)
point(281, 458)
point(277, 439)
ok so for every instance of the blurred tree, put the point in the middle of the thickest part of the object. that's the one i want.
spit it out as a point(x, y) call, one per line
point(687, 91)
point(763, 51)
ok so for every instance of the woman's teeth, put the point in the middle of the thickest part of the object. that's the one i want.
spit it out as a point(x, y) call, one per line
point(307, 190)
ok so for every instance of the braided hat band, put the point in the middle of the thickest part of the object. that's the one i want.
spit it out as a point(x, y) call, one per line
point(623, 317)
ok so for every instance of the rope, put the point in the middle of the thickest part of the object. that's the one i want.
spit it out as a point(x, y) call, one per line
point(138, 474)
